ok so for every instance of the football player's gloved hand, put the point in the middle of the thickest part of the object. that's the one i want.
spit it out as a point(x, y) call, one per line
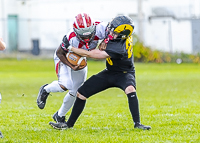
point(65, 44)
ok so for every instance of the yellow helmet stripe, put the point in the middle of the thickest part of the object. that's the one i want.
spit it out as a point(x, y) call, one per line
point(124, 27)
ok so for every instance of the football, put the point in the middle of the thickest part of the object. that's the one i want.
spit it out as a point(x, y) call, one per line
point(75, 59)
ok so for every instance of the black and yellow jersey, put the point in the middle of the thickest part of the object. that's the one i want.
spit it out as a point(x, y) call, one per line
point(121, 53)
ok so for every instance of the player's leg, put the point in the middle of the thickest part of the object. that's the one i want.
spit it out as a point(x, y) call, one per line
point(1, 135)
point(66, 80)
point(68, 102)
point(78, 77)
point(134, 107)
point(60, 120)
point(92, 86)
point(56, 86)
point(127, 83)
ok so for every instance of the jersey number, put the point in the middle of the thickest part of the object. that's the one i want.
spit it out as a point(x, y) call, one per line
point(129, 49)
point(129, 46)
point(109, 61)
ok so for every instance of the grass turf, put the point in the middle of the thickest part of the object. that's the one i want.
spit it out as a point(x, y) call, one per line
point(168, 98)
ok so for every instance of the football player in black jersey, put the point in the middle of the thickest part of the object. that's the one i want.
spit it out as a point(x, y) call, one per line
point(119, 72)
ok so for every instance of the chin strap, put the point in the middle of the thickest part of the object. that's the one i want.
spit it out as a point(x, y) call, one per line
point(109, 38)
point(86, 43)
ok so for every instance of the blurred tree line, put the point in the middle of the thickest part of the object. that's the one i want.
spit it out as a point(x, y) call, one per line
point(147, 55)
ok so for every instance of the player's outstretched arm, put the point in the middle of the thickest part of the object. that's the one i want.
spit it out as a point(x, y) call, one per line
point(95, 54)
point(2, 44)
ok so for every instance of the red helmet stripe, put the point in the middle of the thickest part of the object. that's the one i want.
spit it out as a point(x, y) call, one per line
point(74, 25)
point(80, 21)
point(88, 20)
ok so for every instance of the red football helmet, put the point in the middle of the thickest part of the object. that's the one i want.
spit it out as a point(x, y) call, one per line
point(84, 27)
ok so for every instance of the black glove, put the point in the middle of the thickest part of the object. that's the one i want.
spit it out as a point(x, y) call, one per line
point(65, 43)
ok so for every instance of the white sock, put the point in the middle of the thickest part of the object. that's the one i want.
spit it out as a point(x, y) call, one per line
point(68, 102)
point(53, 87)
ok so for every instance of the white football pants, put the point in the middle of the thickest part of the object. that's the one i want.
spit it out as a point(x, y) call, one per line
point(71, 80)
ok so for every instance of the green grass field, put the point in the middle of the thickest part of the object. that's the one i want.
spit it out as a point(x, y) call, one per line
point(169, 96)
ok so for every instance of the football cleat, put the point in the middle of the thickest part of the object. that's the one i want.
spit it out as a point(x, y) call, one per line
point(42, 97)
point(58, 119)
point(140, 126)
point(58, 126)
point(1, 135)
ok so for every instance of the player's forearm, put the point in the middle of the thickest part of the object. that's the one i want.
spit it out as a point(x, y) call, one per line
point(62, 56)
point(81, 52)
point(2, 45)
point(95, 54)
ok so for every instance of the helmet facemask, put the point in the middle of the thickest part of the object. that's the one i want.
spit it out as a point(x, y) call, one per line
point(85, 35)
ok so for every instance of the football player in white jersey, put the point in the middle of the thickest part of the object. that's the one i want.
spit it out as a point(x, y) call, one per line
point(85, 34)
